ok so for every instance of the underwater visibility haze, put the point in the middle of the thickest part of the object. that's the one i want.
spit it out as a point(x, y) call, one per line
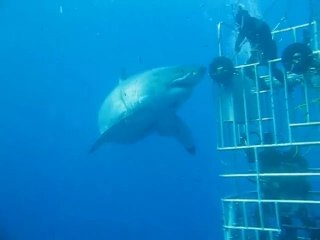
point(59, 60)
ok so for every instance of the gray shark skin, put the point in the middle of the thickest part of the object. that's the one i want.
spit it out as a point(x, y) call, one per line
point(146, 103)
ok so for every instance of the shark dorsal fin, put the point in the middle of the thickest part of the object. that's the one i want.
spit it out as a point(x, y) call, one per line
point(123, 75)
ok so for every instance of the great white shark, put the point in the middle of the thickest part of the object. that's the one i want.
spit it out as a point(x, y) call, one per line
point(146, 103)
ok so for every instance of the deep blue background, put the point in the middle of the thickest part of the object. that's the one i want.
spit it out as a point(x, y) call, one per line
point(56, 70)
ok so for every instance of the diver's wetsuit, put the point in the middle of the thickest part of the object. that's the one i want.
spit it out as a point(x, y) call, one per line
point(274, 160)
point(258, 34)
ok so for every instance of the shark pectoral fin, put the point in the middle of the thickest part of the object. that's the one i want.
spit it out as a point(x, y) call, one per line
point(123, 75)
point(174, 126)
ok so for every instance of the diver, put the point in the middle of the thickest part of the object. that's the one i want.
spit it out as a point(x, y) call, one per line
point(274, 160)
point(258, 34)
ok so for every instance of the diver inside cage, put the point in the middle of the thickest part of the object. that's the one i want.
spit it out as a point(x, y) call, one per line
point(297, 58)
point(263, 48)
point(273, 160)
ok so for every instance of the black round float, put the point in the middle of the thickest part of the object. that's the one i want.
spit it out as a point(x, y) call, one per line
point(297, 58)
point(221, 70)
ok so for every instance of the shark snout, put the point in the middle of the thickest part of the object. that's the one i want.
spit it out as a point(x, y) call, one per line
point(197, 74)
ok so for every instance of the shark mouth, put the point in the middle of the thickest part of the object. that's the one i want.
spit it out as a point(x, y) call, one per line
point(185, 81)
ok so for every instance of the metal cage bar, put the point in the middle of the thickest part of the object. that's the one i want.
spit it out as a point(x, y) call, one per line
point(251, 213)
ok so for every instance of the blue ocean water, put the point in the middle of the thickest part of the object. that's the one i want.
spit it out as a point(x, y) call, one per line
point(59, 59)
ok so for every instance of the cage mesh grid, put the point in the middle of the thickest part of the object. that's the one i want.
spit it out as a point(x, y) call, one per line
point(275, 196)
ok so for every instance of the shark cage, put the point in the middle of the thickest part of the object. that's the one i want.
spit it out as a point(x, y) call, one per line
point(269, 140)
